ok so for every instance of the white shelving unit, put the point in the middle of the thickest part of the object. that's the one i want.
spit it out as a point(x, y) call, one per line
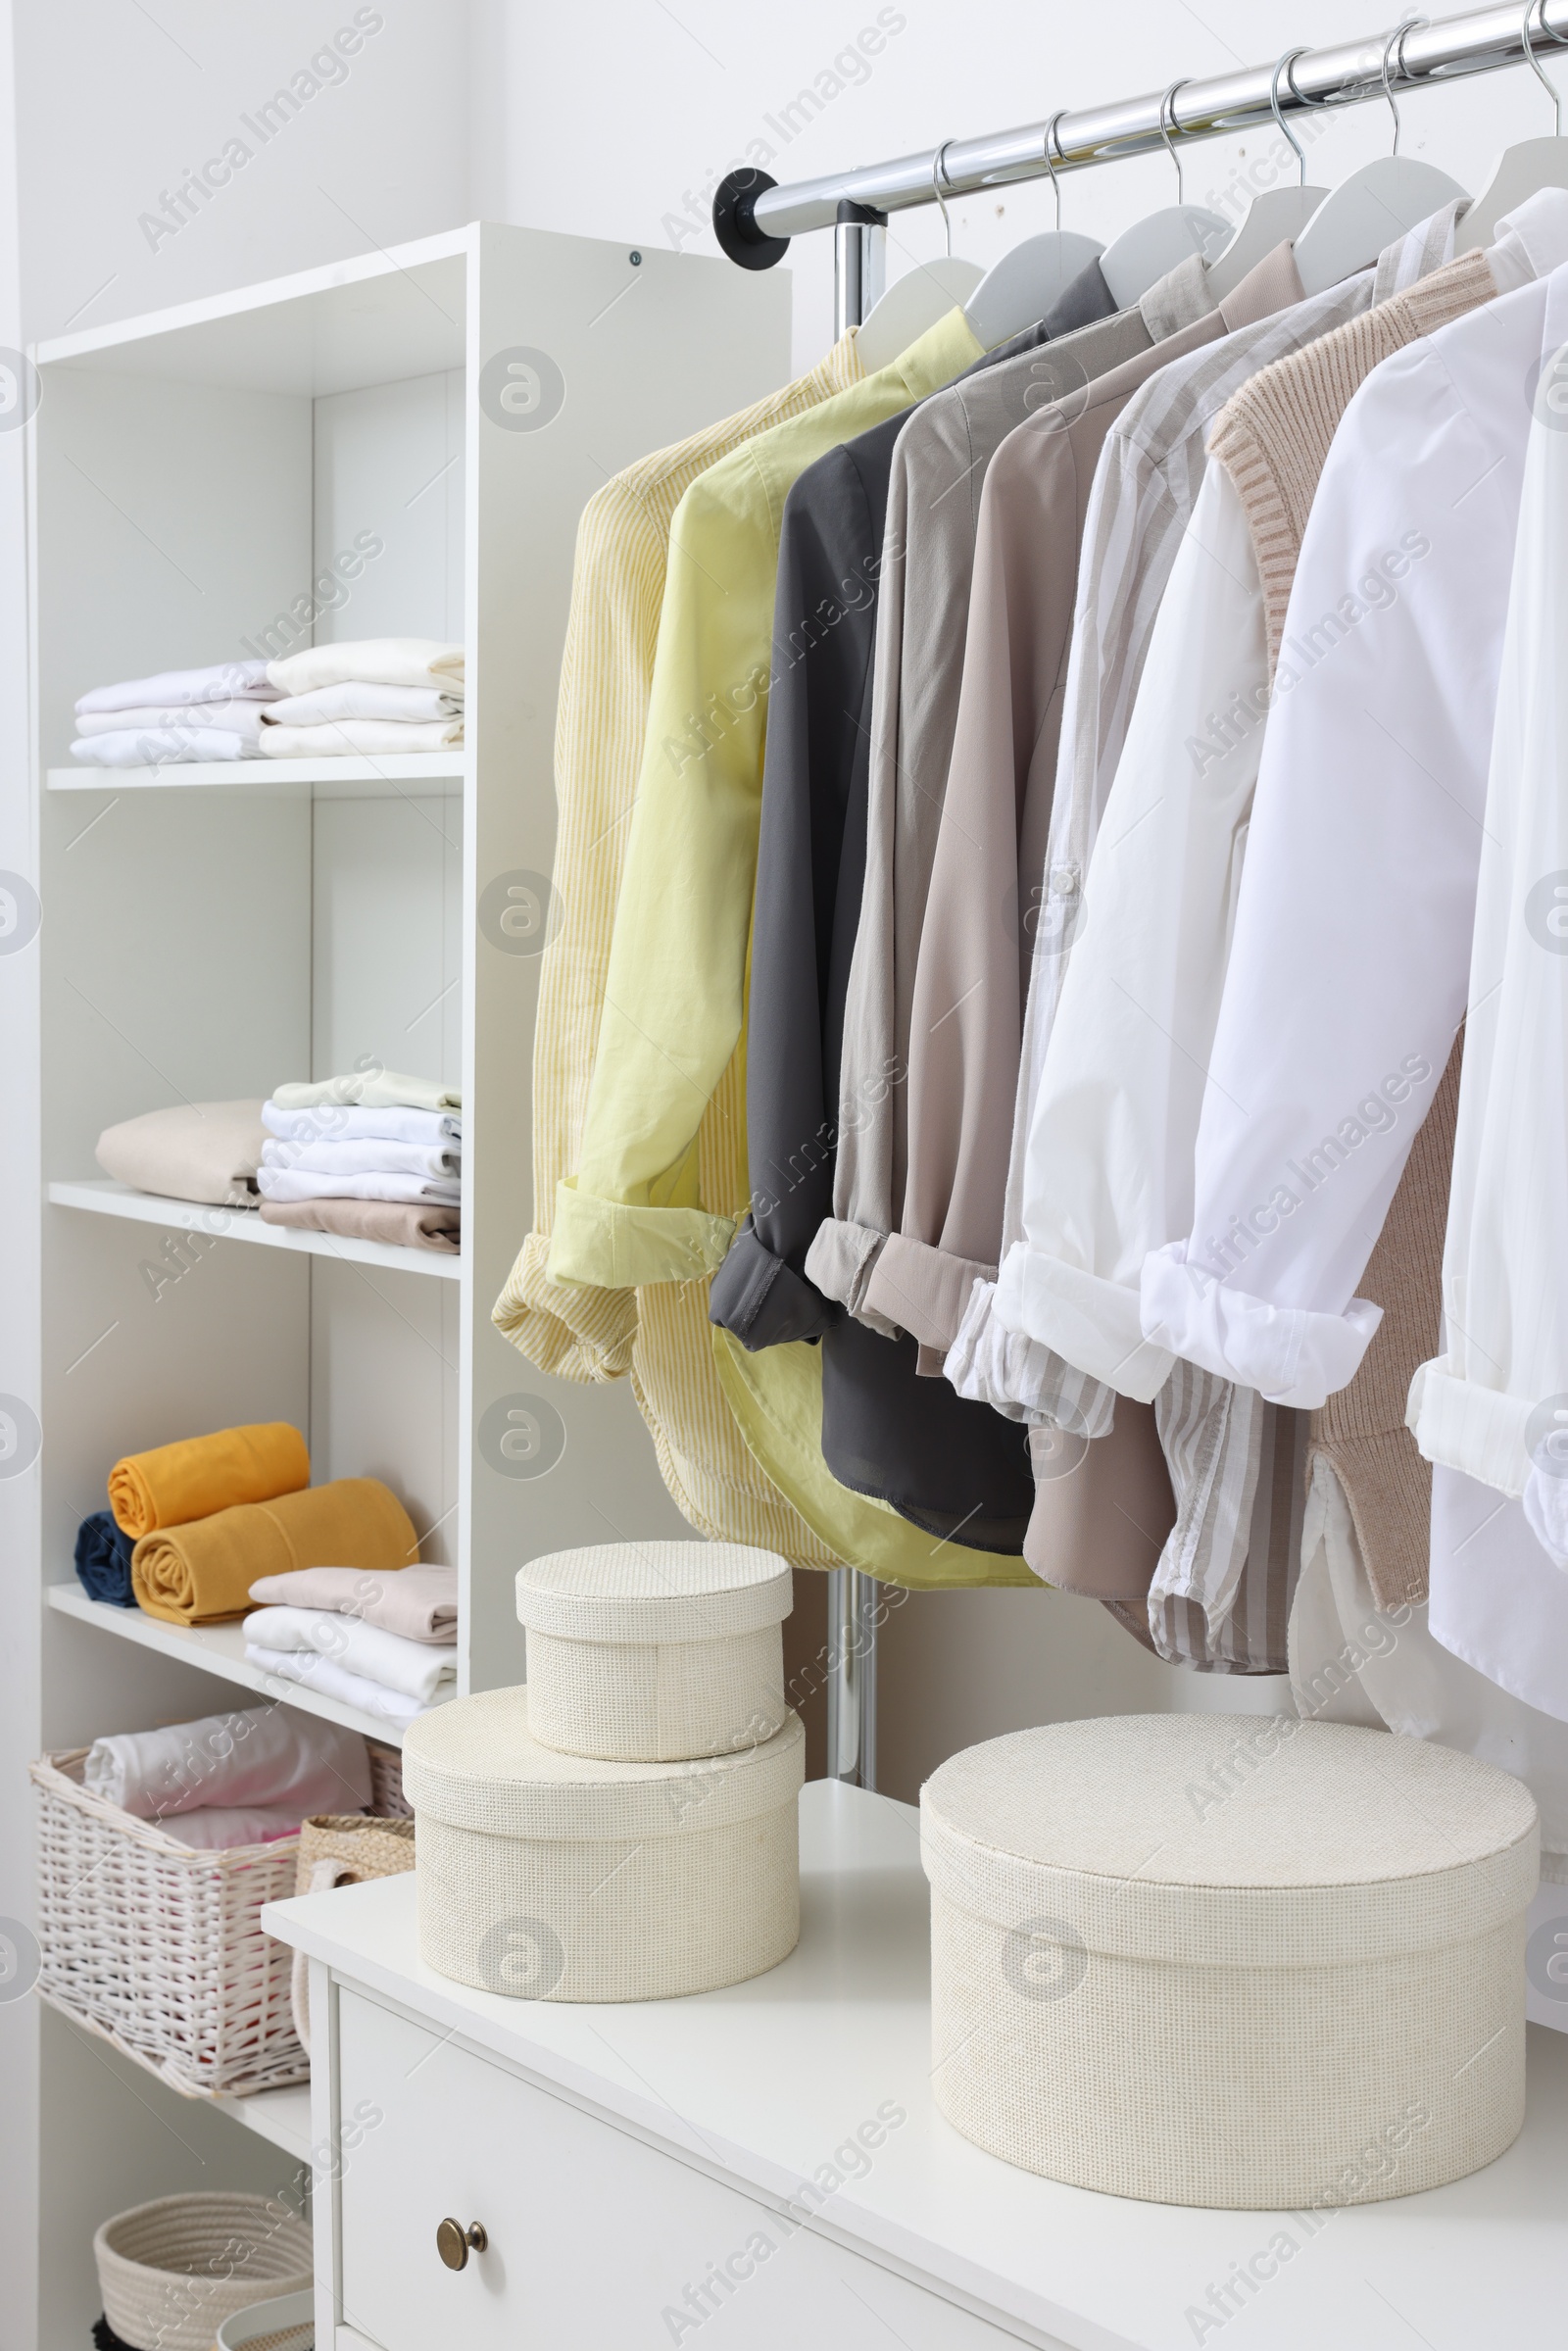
point(196, 481)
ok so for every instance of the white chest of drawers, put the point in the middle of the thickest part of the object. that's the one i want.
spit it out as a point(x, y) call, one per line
point(763, 2170)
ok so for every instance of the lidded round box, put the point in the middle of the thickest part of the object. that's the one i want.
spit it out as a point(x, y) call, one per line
point(1229, 1960)
point(555, 1876)
point(655, 1653)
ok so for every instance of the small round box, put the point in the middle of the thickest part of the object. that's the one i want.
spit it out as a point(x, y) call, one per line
point(655, 1653)
point(555, 1876)
point(1234, 1960)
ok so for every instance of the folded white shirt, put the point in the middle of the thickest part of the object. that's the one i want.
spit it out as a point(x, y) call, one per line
point(337, 1122)
point(363, 697)
point(370, 1157)
point(371, 660)
point(215, 1828)
point(257, 1755)
point(359, 739)
point(232, 717)
point(161, 746)
point(367, 1090)
point(329, 1679)
point(282, 1183)
point(415, 1669)
point(222, 681)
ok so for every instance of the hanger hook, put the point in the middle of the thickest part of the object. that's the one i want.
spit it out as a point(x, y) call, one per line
point(1051, 140)
point(1393, 47)
point(1285, 131)
point(939, 172)
point(1533, 62)
point(1167, 124)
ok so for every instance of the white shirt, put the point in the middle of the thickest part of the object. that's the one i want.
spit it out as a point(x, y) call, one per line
point(1108, 1158)
point(1347, 972)
point(1505, 1261)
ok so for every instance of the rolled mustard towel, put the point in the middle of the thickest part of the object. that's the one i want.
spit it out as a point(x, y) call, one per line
point(202, 1574)
point(195, 1476)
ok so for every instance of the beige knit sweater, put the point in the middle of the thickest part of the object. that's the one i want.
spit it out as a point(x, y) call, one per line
point(1273, 438)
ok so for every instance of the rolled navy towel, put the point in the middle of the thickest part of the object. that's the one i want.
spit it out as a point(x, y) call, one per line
point(103, 1560)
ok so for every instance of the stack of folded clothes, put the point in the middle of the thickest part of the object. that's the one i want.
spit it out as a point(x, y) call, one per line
point(367, 700)
point(242, 1778)
point(386, 1643)
point(178, 716)
point(205, 1151)
point(203, 1518)
point(378, 1157)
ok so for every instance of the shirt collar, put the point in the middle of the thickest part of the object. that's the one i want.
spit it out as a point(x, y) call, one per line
point(933, 359)
point(1270, 285)
point(1419, 252)
point(1532, 240)
point(1178, 299)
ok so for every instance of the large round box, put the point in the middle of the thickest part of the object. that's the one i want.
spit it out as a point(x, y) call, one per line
point(555, 1876)
point(655, 1653)
point(1223, 1960)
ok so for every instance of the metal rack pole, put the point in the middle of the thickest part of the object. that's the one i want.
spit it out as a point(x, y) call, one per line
point(859, 250)
point(754, 218)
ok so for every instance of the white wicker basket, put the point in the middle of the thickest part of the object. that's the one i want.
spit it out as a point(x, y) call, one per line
point(172, 2270)
point(160, 1948)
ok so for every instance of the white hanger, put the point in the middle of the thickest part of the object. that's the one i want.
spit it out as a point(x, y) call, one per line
point(1277, 217)
point(1025, 282)
point(1140, 254)
point(1374, 206)
point(1519, 171)
point(917, 300)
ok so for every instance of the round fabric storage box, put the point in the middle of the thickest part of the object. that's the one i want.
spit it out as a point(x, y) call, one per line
point(558, 1876)
point(655, 1653)
point(1229, 1960)
point(172, 2272)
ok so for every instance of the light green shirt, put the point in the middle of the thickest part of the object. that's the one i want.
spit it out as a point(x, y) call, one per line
point(675, 999)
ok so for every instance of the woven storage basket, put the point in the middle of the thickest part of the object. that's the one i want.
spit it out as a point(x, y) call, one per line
point(1222, 1960)
point(160, 1948)
point(655, 1653)
point(388, 1799)
point(555, 1876)
point(343, 1848)
point(286, 2323)
point(172, 2272)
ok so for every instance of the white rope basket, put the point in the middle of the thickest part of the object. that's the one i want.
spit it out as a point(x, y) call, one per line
point(287, 2324)
point(160, 1948)
point(173, 2271)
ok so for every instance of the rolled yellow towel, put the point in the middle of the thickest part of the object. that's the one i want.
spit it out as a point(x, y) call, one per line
point(195, 1476)
point(203, 1572)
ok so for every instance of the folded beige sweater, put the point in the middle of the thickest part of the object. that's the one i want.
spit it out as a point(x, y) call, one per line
point(198, 1152)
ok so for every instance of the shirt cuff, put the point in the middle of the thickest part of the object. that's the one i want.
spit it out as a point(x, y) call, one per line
point(1019, 1378)
point(1290, 1355)
point(1088, 1321)
point(613, 1247)
point(762, 1301)
point(1480, 1430)
point(840, 1261)
point(924, 1291)
point(577, 1334)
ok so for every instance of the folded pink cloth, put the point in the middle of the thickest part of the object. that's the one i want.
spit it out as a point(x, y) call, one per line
point(420, 1602)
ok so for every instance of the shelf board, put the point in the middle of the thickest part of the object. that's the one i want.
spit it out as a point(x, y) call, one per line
point(104, 1197)
point(215, 1650)
point(282, 2115)
point(438, 774)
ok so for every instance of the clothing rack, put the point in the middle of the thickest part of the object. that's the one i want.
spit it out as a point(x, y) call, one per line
point(754, 218)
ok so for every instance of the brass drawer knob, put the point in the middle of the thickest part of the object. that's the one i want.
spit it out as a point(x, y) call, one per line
point(452, 2243)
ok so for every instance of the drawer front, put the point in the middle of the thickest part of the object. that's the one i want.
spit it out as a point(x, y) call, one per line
point(595, 2239)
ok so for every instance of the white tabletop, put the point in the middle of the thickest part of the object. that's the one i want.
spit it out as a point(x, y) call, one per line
point(763, 2082)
